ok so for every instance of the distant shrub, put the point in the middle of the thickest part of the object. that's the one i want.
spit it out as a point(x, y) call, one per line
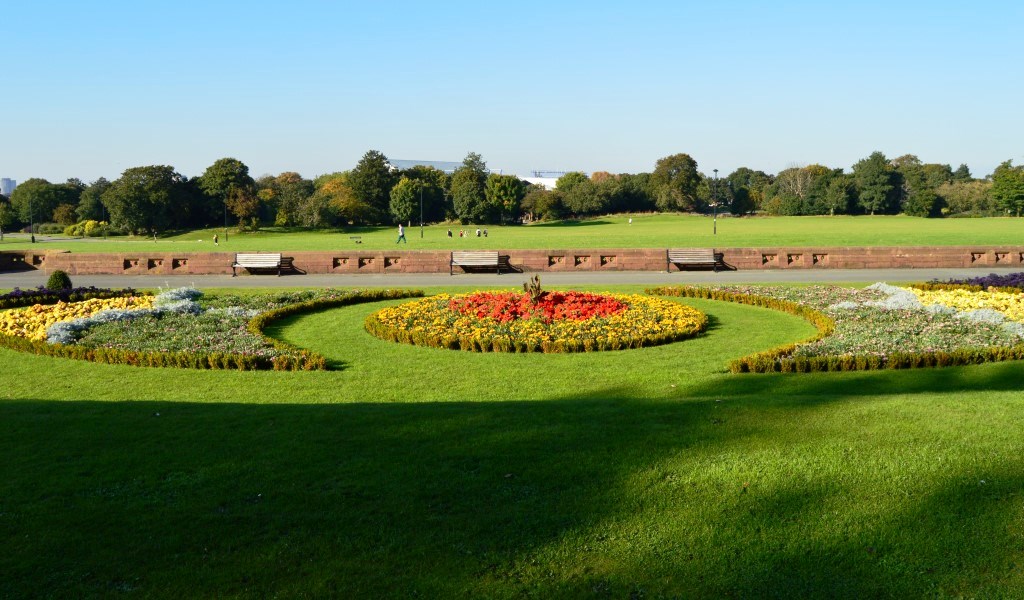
point(59, 280)
point(49, 228)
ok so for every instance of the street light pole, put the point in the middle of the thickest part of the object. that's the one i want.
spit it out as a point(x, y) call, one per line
point(225, 220)
point(714, 206)
point(421, 210)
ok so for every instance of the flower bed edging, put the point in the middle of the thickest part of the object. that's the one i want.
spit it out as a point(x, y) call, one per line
point(780, 359)
point(433, 323)
point(298, 360)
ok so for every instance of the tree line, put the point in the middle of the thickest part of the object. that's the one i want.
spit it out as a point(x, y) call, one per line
point(155, 199)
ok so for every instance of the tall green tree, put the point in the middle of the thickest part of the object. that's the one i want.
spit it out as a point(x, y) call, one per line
point(469, 183)
point(876, 180)
point(225, 178)
point(1007, 188)
point(371, 182)
point(405, 200)
point(90, 204)
point(676, 180)
point(502, 194)
point(36, 199)
point(435, 184)
point(147, 199)
point(962, 173)
point(335, 189)
point(285, 195)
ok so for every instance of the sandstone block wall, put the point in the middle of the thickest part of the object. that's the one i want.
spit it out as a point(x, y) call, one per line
point(529, 261)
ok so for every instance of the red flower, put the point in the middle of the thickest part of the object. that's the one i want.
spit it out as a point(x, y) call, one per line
point(553, 306)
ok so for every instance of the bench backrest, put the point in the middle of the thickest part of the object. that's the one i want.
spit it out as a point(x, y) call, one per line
point(258, 260)
point(691, 254)
point(481, 257)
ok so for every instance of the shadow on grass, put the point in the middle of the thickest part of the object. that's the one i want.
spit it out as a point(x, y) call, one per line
point(996, 377)
point(593, 495)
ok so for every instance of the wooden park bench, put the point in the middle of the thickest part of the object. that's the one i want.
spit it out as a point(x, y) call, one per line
point(261, 262)
point(694, 257)
point(474, 260)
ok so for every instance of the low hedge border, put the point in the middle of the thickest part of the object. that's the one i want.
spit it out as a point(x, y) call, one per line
point(22, 298)
point(770, 360)
point(780, 359)
point(296, 359)
point(970, 287)
point(309, 361)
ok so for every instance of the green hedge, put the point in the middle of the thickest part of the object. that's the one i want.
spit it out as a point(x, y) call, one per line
point(294, 359)
point(769, 360)
point(780, 359)
point(945, 287)
point(32, 298)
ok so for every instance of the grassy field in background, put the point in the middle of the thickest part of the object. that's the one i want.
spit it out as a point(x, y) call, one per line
point(646, 231)
point(415, 472)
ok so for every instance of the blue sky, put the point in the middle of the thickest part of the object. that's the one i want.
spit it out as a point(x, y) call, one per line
point(310, 86)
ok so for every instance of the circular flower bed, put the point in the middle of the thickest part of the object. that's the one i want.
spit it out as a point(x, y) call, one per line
point(555, 322)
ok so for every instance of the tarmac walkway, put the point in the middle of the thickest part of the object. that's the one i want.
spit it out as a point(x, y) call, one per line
point(31, 279)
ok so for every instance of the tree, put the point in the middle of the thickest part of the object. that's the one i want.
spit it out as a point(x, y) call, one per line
point(147, 199)
point(469, 189)
point(1007, 188)
point(7, 215)
point(371, 181)
point(435, 185)
point(579, 194)
point(962, 173)
point(90, 205)
point(35, 200)
point(245, 205)
point(405, 200)
point(503, 193)
point(876, 181)
point(64, 215)
point(675, 180)
point(747, 189)
point(839, 194)
point(335, 189)
point(967, 197)
point(285, 196)
point(226, 177)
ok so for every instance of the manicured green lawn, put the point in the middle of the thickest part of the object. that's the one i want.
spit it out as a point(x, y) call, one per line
point(646, 231)
point(413, 472)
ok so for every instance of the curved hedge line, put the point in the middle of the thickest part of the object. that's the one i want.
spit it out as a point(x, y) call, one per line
point(296, 360)
point(970, 287)
point(20, 298)
point(769, 360)
point(313, 360)
point(780, 359)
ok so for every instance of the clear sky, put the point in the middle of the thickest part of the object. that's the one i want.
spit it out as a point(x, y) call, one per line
point(92, 88)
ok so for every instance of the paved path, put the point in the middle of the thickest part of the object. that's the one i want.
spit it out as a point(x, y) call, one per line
point(32, 279)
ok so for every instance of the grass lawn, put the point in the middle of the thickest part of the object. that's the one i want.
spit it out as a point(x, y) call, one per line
point(414, 472)
point(646, 231)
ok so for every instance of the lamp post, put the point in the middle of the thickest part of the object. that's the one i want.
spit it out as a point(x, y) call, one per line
point(225, 219)
point(714, 206)
point(421, 210)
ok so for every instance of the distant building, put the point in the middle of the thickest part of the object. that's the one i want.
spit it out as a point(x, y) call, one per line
point(7, 186)
point(548, 179)
point(448, 167)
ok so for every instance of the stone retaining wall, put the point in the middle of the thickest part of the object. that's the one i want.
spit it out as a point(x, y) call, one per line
point(530, 261)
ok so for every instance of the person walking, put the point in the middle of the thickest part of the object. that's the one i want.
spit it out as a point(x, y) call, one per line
point(401, 234)
point(216, 240)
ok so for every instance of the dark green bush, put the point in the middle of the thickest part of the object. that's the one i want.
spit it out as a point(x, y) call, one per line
point(59, 280)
